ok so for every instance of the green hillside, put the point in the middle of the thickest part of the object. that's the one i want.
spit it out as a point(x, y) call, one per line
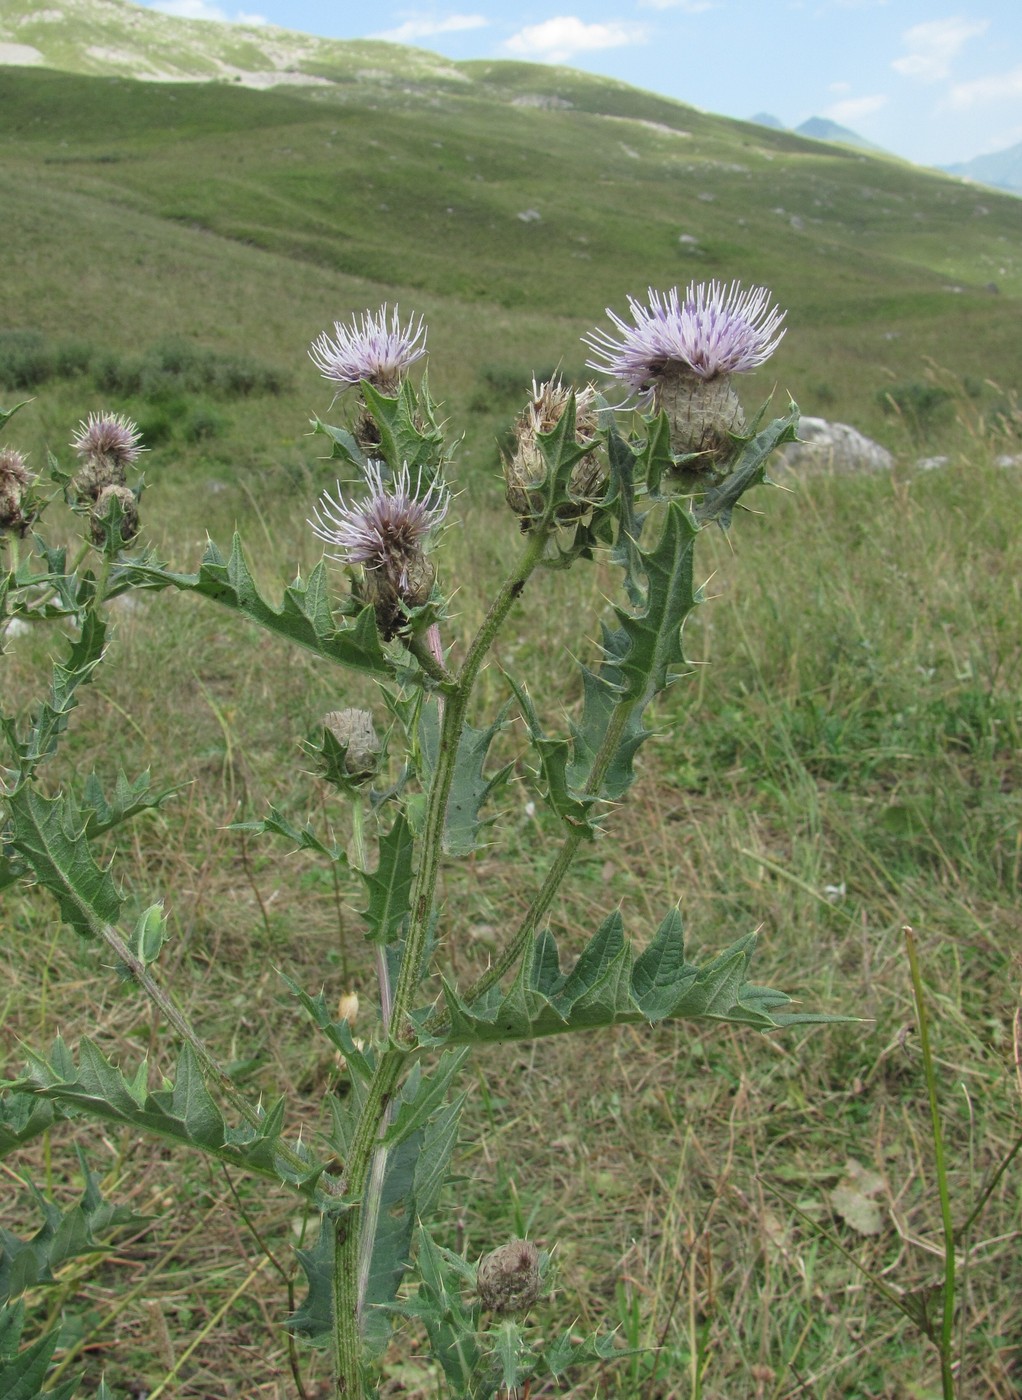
point(511, 203)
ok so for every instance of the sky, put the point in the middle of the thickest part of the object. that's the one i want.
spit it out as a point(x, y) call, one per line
point(933, 83)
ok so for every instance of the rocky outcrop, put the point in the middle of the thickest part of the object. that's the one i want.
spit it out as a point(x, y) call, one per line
point(834, 447)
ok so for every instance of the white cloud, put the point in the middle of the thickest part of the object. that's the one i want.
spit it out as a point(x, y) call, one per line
point(425, 27)
point(933, 46)
point(853, 109)
point(556, 40)
point(199, 9)
point(998, 87)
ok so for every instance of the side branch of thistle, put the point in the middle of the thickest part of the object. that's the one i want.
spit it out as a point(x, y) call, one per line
point(547, 892)
point(210, 1065)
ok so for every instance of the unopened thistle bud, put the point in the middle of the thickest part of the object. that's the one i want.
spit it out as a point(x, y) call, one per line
point(15, 480)
point(114, 500)
point(106, 445)
point(507, 1279)
point(347, 1007)
point(385, 535)
point(680, 355)
point(355, 732)
point(525, 468)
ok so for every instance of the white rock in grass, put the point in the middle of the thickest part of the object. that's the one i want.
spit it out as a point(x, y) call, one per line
point(834, 447)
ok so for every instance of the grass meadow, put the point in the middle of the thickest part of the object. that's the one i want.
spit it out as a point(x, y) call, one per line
point(842, 762)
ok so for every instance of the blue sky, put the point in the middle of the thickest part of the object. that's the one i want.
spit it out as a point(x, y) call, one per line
point(933, 83)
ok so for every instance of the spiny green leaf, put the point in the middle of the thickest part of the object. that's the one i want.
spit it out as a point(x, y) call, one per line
point(343, 444)
point(6, 414)
point(470, 788)
point(65, 1234)
point(23, 1117)
point(58, 854)
point(314, 1318)
point(337, 1032)
point(409, 432)
point(303, 838)
point(609, 986)
point(749, 469)
point(554, 756)
point(129, 798)
point(450, 1325)
point(23, 1373)
point(182, 1111)
point(389, 886)
point(51, 719)
point(304, 616)
point(421, 1096)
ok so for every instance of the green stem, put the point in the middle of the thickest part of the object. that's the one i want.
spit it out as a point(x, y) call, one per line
point(350, 1225)
point(455, 709)
point(418, 645)
point(940, 1162)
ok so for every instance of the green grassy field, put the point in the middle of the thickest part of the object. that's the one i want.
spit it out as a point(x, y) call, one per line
point(846, 763)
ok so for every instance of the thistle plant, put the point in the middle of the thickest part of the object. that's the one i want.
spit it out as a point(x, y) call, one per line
point(584, 481)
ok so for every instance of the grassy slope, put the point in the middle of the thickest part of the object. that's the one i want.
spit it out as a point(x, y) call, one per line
point(367, 189)
point(858, 728)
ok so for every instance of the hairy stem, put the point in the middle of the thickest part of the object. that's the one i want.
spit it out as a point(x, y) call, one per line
point(358, 1184)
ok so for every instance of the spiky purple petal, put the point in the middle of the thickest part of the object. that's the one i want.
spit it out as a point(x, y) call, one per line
point(110, 437)
point(716, 330)
point(387, 529)
point(371, 350)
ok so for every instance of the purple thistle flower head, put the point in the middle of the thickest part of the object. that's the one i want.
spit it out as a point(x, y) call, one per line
point(108, 437)
point(372, 350)
point(714, 331)
point(387, 529)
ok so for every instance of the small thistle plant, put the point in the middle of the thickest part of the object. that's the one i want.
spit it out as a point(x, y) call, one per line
point(636, 487)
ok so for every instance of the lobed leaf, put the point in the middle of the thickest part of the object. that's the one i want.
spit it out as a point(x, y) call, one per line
point(64, 1234)
point(182, 1111)
point(389, 886)
point(50, 721)
point(45, 832)
point(610, 986)
point(303, 617)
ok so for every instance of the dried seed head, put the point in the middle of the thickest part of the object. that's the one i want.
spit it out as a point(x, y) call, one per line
point(526, 467)
point(15, 479)
point(507, 1279)
point(111, 500)
point(355, 732)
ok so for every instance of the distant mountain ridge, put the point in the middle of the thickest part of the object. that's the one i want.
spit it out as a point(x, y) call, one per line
point(1001, 169)
point(819, 129)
